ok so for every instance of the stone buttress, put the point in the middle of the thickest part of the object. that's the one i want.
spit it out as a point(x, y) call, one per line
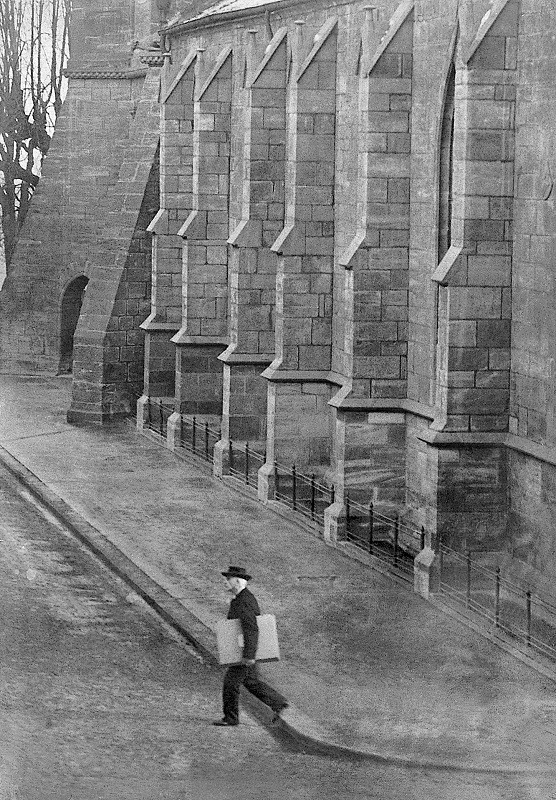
point(252, 267)
point(176, 194)
point(460, 475)
point(370, 418)
point(79, 282)
point(203, 334)
point(299, 379)
point(108, 349)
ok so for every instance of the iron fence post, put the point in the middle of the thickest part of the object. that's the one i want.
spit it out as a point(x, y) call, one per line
point(276, 481)
point(422, 537)
point(148, 411)
point(396, 538)
point(371, 526)
point(332, 495)
point(181, 429)
point(206, 440)
point(231, 454)
point(468, 588)
point(440, 560)
point(348, 514)
point(313, 496)
point(194, 434)
point(161, 419)
point(528, 597)
point(247, 463)
point(294, 488)
point(497, 598)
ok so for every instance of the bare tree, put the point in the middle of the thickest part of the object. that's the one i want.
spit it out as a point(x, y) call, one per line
point(34, 38)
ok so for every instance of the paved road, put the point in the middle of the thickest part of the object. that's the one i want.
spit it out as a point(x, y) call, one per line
point(99, 701)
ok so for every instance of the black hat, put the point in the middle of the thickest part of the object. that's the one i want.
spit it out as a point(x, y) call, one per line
point(237, 572)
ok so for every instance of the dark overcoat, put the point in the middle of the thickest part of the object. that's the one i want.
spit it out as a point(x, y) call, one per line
point(244, 607)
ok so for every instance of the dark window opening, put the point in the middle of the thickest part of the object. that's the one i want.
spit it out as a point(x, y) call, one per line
point(70, 311)
point(446, 172)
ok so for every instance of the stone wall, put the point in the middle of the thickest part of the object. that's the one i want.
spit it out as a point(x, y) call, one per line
point(62, 227)
point(533, 397)
point(353, 258)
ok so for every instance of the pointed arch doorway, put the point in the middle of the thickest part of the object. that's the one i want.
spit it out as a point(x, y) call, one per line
point(72, 300)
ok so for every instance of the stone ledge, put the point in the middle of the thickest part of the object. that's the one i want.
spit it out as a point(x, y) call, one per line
point(97, 74)
point(231, 356)
point(151, 324)
point(540, 452)
point(383, 405)
point(462, 438)
point(277, 375)
point(182, 337)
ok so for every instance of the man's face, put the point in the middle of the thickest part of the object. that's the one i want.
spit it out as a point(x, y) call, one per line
point(233, 585)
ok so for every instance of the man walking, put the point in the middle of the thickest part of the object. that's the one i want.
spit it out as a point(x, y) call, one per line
point(244, 607)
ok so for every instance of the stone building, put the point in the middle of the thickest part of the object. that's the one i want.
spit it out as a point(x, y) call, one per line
point(350, 262)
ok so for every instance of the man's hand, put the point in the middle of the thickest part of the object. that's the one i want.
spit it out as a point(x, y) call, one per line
point(248, 662)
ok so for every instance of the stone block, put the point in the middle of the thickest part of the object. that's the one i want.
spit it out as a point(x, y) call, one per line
point(308, 146)
point(463, 333)
point(475, 302)
point(270, 79)
point(488, 422)
point(319, 101)
point(484, 229)
point(467, 358)
point(501, 208)
point(395, 238)
point(491, 54)
point(399, 313)
point(488, 378)
point(461, 379)
point(377, 367)
point(389, 85)
point(489, 145)
point(399, 143)
point(494, 333)
point(478, 401)
point(382, 102)
point(389, 216)
point(489, 270)
point(489, 178)
point(388, 122)
point(389, 65)
point(377, 142)
point(390, 165)
point(499, 359)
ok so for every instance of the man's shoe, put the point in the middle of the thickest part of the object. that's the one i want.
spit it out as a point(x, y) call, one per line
point(225, 723)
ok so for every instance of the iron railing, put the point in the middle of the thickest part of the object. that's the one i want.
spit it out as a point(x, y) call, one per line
point(389, 539)
point(156, 419)
point(197, 436)
point(244, 462)
point(303, 493)
point(194, 435)
point(515, 610)
point(464, 583)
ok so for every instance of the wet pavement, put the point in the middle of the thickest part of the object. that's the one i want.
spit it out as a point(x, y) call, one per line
point(367, 665)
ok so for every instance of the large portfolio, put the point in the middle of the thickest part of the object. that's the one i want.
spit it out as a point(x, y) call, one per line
point(229, 640)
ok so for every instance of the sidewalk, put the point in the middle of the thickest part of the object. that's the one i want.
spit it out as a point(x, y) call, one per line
point(367, 665)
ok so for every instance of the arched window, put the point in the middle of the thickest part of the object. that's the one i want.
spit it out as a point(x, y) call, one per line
point(72, 300)
point(445, 189)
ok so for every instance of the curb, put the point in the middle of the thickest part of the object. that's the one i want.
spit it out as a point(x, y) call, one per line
point(304, 731)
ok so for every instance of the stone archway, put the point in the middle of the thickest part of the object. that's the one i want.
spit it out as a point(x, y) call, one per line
point(72, 300)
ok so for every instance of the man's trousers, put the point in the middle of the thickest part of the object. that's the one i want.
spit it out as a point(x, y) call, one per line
point(239, 674)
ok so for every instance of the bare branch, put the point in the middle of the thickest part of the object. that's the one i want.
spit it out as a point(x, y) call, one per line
point(34, 37)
